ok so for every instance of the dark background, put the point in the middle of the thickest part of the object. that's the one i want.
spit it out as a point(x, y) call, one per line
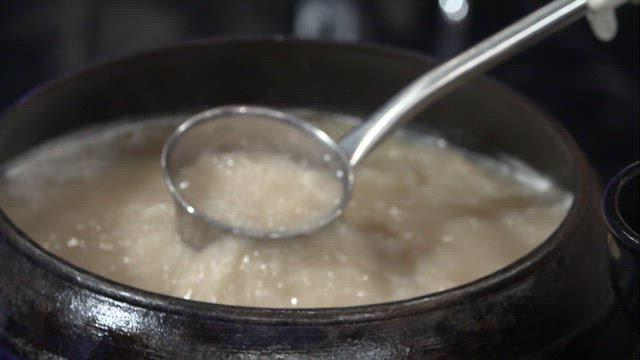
point(590, 86)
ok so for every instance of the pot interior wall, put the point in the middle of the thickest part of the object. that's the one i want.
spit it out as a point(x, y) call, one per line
point(481, 115)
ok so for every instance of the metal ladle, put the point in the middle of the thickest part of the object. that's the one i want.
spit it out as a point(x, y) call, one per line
point(234, 127)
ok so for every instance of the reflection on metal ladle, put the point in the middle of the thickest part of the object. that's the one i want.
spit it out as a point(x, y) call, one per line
point(223, 129)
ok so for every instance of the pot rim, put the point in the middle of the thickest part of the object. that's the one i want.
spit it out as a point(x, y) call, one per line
point(302, 316)
point(616, 223)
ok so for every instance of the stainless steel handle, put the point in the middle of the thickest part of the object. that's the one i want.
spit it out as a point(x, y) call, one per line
point(446, 77)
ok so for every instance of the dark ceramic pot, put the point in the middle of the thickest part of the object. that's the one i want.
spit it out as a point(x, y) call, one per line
point(533, 308)
point(620, 208)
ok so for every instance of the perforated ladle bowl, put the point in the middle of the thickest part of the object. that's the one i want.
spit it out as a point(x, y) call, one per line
point(249, 127)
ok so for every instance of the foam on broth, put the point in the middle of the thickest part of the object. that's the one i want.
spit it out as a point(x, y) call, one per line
point(259, 191)
point(424, 217)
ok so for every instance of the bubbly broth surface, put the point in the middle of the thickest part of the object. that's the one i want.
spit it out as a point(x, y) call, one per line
point(259, 191)
point(424, 217)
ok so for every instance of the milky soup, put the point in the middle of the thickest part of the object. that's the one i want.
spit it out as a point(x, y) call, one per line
point(425, 216)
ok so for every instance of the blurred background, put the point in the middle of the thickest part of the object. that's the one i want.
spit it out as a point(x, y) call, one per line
point(590, 86)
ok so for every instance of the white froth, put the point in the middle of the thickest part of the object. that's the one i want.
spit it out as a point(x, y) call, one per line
point(424, 217)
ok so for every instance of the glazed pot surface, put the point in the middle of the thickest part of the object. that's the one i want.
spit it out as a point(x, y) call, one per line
point(620, 210)
point(533, 307)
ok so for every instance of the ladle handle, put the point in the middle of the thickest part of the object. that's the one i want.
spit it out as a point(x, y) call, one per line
point(446, 77)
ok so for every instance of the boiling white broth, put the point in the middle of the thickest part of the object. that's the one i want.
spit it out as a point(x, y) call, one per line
point(424, 217)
